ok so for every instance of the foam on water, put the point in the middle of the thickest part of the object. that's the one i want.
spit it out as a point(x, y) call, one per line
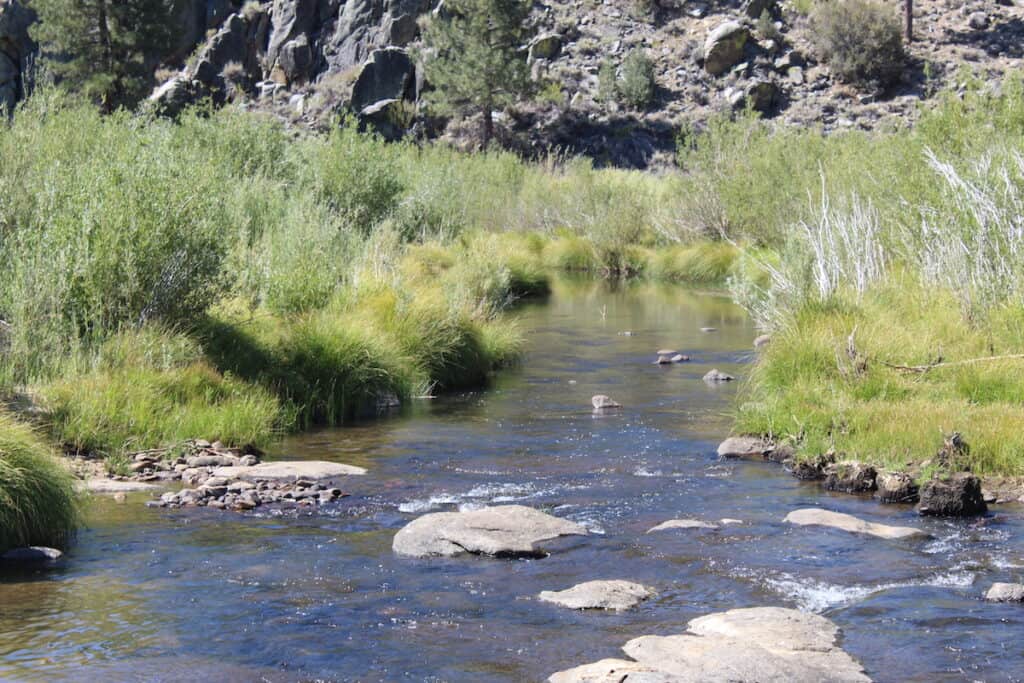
point(818, 596)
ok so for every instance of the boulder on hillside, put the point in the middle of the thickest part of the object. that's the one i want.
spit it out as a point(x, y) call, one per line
point(545, 46)
point(296, 60)
point(763, 644)
point(390, 119)
point(388, 74)
point(502, 531)
point(763, 96)
point(723, 48)
point(844, 522)
point(755, 8)
point(958, 495)
point(610, 595)
point(15, 48)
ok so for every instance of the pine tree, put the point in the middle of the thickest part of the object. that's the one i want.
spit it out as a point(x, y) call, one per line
point(105, 49)
point(475, 57)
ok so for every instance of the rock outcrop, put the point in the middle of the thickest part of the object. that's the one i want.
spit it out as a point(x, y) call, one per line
point(844, 522)
point(502, 531)
point(610, 595)
point(763, 644)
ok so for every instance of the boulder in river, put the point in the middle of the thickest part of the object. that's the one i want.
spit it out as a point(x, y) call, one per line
point(746, 447)
point(502, 531)
point(844, 522)
point(958, 495)
point(850, 477)
point(683, 524)
point(35, 554)
point(896, 487)
point(763, 644)
point(294, 470)
point(614, 595)
point(602, 402)
point(1005, 592)
point(715, 376)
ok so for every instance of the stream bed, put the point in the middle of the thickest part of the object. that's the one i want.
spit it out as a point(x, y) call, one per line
point(168, 595)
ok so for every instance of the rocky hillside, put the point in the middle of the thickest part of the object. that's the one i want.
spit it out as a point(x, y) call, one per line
point(308, 60)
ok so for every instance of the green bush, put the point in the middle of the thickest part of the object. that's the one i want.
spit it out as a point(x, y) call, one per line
point(632, 85)
point(37, 497)
point(860, 40)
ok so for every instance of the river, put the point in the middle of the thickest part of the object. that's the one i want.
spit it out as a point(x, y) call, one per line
point(169, 595)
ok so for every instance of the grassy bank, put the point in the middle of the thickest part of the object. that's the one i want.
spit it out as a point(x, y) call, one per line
point(37, 503)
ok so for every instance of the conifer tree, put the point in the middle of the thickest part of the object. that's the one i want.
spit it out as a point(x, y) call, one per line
point(105, 49)
point(475, 57)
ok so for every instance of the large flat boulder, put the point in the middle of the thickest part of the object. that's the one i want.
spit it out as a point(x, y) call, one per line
point(286, 471)
point(615, 595)
point(844, 522)
point(763, 644)
point(1005, 592)
point(503, 531)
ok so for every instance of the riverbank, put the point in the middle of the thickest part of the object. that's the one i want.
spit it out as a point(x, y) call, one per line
point(220, 278)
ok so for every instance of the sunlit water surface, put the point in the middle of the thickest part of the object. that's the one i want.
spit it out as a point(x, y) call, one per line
point(158, 595)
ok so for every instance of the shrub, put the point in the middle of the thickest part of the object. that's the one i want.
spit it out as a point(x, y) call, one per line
point(860, 40)
point(37, 498)
point(631, 85)
point(636, 87)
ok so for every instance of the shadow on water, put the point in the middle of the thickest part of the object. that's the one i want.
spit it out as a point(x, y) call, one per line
point(159, 595)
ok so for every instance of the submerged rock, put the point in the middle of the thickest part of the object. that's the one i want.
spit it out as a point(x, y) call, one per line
point(715, 376)
point(1005, 592)
point(683, 524)
point(504, 531)
point(958, 495)
point(850, 477)
point(613, 595)
point(763, 644)
point(35, 554)
point(113, 486)
point(844, 522)
point(896, 487)
point(602, 402)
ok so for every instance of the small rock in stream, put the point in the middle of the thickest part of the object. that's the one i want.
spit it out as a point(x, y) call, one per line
point(610, 595)
point(1005, 592)
point(715, 376)
point(602, 402)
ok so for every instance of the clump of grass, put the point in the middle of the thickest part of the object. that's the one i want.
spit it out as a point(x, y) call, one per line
point(37, 498)
point(151, 388)
point(702, 263)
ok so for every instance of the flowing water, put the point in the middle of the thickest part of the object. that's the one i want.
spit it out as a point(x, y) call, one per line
point(159, 595)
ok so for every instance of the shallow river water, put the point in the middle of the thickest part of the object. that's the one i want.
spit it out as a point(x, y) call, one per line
point(158, 595)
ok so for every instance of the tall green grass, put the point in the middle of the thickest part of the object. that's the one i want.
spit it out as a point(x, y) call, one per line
point(37, 498)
